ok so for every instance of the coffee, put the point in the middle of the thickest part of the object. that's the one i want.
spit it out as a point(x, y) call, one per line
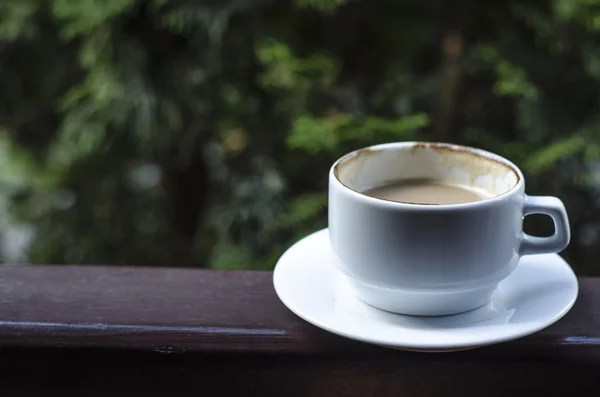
point(419, 191)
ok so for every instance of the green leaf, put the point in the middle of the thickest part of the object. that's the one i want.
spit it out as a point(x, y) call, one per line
point(16, 19)
point(284, 71)
point(321, 5)
point(326, 134)
point(511, 79)
point(230, 256)
point(592, 151)
point(81, 17)
point(308, 206)
point(316, 135)
point(544, 158)
point(18, 168)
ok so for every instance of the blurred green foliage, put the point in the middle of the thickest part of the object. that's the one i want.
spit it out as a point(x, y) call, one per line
point(200, 133)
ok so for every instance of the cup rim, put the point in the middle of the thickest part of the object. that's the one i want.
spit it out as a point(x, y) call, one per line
point(333, 175)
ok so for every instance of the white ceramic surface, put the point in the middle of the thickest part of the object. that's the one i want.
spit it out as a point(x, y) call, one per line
point(538, 293)
point(433, 259)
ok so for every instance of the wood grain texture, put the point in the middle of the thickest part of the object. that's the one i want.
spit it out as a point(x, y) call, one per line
point(77, 331)
point(186, 310)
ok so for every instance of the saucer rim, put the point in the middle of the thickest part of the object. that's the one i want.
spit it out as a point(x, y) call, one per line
point(428, 346)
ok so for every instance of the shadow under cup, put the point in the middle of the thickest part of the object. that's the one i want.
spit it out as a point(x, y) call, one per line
point(423, 259)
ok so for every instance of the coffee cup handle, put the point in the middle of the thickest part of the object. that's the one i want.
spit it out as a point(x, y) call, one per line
point(555, 209)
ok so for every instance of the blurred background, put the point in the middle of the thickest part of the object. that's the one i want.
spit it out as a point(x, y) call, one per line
point(200, 133)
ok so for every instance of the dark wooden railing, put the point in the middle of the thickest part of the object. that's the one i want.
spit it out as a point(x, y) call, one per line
point(106, 331)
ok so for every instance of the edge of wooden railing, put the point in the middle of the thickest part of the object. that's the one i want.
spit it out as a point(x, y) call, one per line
point(175, 310)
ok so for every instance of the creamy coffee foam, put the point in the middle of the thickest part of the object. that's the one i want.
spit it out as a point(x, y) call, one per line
point(419, 191)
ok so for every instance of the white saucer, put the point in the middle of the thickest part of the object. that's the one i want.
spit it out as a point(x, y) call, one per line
point(538, 293)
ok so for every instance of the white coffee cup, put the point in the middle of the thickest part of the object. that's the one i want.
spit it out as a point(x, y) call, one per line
point(422, 259)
